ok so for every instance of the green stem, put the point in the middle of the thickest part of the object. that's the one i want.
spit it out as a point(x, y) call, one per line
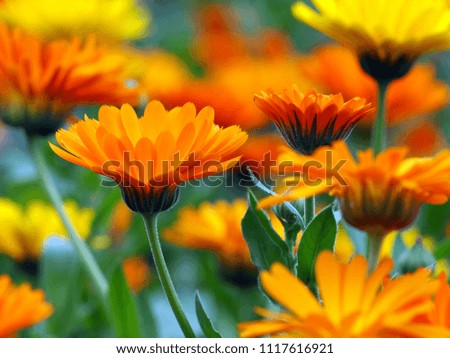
point(77, 242)
point(310, 209)
point(379, 140)
point(151, 226)
point(373, 251)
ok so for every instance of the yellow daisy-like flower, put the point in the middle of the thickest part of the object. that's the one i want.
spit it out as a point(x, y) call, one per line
point(310, 120)
point(40, 83)
point(150, 156)
point(352, 304)
point(387, 35)
point(110, 20)
point(20, 307)
point(377, 194)
point(23, 234)
point(215, 227)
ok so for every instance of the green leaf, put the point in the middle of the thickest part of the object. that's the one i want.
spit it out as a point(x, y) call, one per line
point(431, 220)
point(266, 246)
point(61, 281)
point(123, 307)
point(442, 250)
point(320, 235)
point(148, 320)
point(205, 323)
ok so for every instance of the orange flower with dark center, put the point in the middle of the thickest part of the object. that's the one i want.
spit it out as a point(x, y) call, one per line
point(20, 306)
point(40, 83)
point(311, 120)
point(150, 156)
point(334, 68)
point(377, 194)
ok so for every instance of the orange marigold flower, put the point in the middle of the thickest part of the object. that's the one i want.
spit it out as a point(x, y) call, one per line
point(20, 306)
point(334, 68)
point(40, 83)
point(168, 80)
point(424, 139)
point(311, 120)
point(217, 42)
point(377, 194)
point(137, 273)
point(214, 227)
point(351, 303)
point(121, 219)
point(150, 156)
point(440, 314)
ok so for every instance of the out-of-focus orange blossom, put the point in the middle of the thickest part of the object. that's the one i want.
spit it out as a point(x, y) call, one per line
point(336, 69)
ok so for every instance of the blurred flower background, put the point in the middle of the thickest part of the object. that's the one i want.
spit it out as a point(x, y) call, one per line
point(210, 53)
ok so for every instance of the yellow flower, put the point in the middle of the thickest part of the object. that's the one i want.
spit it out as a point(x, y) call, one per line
point(352, 304)
point(150, 156)
point(311, 120)
point(110, 20)
point(215, 227)
point(344, 248)
point(25, 230)
point(20, 307)
point(377, 194)
point(387, 35)
point(137, 273)
point(40, 83)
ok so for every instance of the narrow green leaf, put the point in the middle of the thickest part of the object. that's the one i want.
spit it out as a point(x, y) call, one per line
point(123, 307)
point(320, 235)
point(266, 246)
point(205, 323)
point(61, 281)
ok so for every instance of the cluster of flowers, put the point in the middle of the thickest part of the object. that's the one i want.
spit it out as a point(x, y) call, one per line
point(45, 76)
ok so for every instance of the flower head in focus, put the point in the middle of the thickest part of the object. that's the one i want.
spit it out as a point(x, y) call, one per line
point(109, 20)
point(353, 304)
point(40, 83)
point(334, 69)
point(311, 120)
point(149, 157)
point(20, 307)
point(23, 234)
point(377, 194)
point(386, 35)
